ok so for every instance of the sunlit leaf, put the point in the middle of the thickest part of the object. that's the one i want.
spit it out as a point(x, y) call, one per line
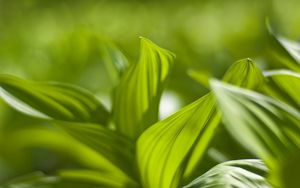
point(52, 100)
point(176, 145)
point(268, 128)
point(136, 98)
point(247, 173)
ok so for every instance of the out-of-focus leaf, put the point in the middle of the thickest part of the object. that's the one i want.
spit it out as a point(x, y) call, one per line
point(247, 173)
point(285, 50)
point(114, 60)
point(60, 143)
point(176, 145)
point(33, 180)
point(283, 85)
point(52, 100)
point(268, 128)
point(98, 178)
point(200, 76)
point(114, 147)
point(136, 98)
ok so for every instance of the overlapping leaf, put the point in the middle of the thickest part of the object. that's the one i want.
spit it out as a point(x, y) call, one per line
point(136, 98)
point(52, 100)
point(285, 50)
point(115, 148)
point(100, 148)
point(175, 145)
point(247, 173)
point(283, 85)
point(268, 128)
point(96, 178)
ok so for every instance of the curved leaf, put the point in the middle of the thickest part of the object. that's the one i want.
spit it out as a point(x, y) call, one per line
point(136, 98)
point(285, 50)
point(52, 100)
point(96, 178)
point(232, 174)
point(283, 85)
point(266, 127)
point(172, 148)
point(115, 148)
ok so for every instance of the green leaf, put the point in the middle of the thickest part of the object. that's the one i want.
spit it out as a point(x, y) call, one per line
point(114, 147)
point(136, 98)
point(268, 128)
point(245, 173)
point(285, 50)
point(244, 73)
point(96, 178)
point(163, 149)
point(114, 61)
point(172, 148)
point(52, 101)
point(32, 180)
point(283, 85)
point(60, 143)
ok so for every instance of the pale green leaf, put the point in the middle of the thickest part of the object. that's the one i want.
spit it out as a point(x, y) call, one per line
point(52, 100)
point(247, 173)
point(283, 85)
point(136, 98)
point(268, 128)
point(285, 50)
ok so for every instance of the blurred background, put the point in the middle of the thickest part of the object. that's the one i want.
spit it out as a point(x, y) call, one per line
point(63, 40)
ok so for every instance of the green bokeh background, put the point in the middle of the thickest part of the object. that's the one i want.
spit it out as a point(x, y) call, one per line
point(61, 40)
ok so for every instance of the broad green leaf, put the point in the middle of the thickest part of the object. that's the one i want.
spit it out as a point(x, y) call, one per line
point(136, 98)
point(283, 85)
point(285, 50)
point(97, 178)
point(52, 100)
point(163, 149)
point(173, 147)
point(247, 173)
point(114, 147)
point(266, 127)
